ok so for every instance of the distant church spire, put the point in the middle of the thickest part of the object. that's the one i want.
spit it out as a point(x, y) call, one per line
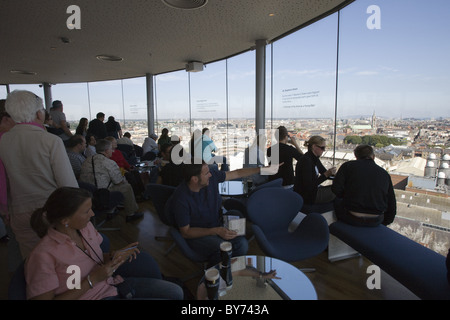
point(374, 120)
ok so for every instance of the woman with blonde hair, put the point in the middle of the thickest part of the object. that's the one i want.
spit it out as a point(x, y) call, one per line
point(310, 173)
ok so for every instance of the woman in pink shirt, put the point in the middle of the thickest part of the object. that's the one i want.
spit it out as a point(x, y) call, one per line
point(68, 262)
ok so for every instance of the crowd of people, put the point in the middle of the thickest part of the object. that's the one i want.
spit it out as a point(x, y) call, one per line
point(47, 212)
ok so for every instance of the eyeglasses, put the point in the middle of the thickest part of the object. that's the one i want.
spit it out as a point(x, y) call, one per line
point(323, 148)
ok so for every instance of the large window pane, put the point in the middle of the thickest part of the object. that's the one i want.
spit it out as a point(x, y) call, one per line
point(304, 82)
point(3, 92)
point(134, 112)
point(209, 104)
point(241, 107)
point(393, 89)
point(35, 88)
point(74, 97)
point(172, 105)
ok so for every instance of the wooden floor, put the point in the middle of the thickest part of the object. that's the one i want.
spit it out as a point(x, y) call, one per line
point(341, 280)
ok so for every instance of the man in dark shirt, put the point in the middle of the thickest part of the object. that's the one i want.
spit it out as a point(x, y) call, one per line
point(97, 127)
point(286, 155)
point(196, 208)
point(364, 191)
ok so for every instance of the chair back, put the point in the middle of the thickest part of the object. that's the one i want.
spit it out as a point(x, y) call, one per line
point(159, 194)
point(17, 286)
point(271, 184)
point(273, 209)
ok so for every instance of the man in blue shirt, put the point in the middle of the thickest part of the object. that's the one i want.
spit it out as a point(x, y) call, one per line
point(196, 208)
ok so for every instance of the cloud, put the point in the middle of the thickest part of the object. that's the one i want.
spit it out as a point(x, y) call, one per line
point(367, 73)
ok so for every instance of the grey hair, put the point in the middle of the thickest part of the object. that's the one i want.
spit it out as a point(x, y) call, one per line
point(102, 145)
point(22, 105)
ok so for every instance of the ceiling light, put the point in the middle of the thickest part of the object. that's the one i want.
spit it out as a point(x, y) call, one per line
point(27, 73)
point(106, 57)
point(185, 4)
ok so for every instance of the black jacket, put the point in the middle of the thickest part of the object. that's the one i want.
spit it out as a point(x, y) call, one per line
point(307, 179)
point(367, 188)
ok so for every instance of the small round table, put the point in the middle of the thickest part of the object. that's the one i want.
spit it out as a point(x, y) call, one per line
point(248, 285)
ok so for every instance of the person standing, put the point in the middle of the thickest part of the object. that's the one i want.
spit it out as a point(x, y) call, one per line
point(36, 164)
point(113, 128)
point(59, 120)
point(286, 155)
point(97, 127)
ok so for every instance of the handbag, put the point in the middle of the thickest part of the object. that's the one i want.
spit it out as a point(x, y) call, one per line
point(101, 196)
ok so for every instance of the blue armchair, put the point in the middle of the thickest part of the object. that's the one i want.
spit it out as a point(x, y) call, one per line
point(240, 204)
point(271, 211)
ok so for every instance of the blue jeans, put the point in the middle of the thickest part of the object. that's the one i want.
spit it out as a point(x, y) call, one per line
point(209, 246)
point(144, 278)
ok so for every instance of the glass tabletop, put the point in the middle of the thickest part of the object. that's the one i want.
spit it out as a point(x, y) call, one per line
point(289, 283)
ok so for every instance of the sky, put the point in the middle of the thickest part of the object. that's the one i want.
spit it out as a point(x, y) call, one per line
point(399, 69)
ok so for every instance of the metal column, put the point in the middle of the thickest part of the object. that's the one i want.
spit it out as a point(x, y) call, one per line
point(150, 104)
point(47, 95)
point(260, 90)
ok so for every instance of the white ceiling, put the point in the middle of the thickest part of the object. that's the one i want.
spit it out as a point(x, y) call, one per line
point(150, 36)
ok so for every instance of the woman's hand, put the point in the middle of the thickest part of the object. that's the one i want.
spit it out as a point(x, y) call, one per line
point(127, 253)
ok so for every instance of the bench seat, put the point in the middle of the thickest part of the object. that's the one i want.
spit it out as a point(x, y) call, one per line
point(418, 268)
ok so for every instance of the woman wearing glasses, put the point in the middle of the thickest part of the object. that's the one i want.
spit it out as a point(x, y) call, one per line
point(310, 173)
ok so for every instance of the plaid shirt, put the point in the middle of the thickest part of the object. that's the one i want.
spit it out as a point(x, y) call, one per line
point(76, 160)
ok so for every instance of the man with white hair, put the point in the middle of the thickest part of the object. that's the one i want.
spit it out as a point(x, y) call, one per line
point(36, 164)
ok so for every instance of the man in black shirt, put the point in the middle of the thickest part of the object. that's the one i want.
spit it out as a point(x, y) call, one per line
point(286, 155)
point(364, 191)
point(97, 127)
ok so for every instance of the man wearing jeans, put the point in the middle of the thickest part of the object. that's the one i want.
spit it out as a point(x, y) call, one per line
point(196, 208)
point(364, 192)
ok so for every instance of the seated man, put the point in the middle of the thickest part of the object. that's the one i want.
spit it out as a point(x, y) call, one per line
point(364, 191)
point(76, 145)
point(196, 208)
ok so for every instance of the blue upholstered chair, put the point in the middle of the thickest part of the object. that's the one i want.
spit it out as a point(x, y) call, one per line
point(240, 204)
point(271, 211)
point(17, 289)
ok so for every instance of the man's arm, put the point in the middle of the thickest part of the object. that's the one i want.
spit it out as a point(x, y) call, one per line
point(245, 172)
point(191, 233)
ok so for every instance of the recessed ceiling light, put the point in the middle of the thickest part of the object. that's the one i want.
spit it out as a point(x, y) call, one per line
point(185, 4)
point(27, 73)
point(271, 14)
point(106, 57)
